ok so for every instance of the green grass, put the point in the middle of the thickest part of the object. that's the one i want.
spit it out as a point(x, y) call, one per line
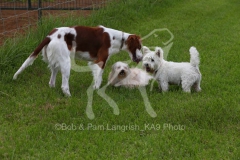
point(207, 124)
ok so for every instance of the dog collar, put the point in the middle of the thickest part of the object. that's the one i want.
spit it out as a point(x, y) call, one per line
point(122, 41)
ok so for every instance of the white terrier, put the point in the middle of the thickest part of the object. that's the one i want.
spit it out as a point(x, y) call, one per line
point(122, 75)
point(185, 74)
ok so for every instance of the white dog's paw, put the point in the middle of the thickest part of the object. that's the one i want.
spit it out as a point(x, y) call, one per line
point(117, 84)
point(66, 92)
point(198, 90)
point(187, 90)
point(96, 85)
point(51, 85)
point(192, 49)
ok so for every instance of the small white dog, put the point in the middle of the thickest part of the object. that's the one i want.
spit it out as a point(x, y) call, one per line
point(185, 74)
point(122, 75)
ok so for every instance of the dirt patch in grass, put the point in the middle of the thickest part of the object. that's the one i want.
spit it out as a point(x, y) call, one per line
point(13, 22)
point(20, 21)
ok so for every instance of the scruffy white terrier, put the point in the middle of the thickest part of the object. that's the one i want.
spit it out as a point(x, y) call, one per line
point(185, 74)
point(122, 75)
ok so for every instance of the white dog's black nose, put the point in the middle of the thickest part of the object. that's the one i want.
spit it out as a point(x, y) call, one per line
point(122, 72)
point(146, 65)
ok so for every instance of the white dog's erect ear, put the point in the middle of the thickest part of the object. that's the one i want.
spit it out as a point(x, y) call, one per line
point(146, 50)
point(159, 52)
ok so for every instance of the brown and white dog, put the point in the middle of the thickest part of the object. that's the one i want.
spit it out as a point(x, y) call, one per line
point(94, 44)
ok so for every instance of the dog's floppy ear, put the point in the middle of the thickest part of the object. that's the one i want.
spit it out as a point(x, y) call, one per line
point(128, 69)
point(159, 52)
point(133, 41)
point(146, 50)
point(110, 77)
point(113, 66)
point(111, 74)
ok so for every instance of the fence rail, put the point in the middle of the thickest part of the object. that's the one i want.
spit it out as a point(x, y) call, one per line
point(51, 4)
point(41, 5)
point(17, 16)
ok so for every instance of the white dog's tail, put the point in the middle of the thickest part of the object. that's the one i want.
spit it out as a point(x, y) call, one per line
point(194, 60)
point(29, 61)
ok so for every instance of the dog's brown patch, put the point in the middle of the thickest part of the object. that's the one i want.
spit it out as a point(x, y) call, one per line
point(94, 41)
point(69, 38)
point(133, 43)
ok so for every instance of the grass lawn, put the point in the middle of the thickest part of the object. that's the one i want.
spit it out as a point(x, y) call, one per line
point(38, 122)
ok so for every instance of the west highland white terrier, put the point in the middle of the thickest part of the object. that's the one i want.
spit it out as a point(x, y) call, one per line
point(122, 75)
point(185, 74)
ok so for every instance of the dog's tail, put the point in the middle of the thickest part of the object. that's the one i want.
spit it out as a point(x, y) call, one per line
point(29, 61)
point(194, 60)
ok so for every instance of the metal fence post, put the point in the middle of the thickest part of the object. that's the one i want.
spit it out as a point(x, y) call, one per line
point(40, 11)
point(29, 4)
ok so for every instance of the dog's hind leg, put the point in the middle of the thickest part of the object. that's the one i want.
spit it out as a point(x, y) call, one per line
point(186, 85)
point(54, 72)
point(65, 77)
point(147, 104)
point(59, 57)
point(197, 86)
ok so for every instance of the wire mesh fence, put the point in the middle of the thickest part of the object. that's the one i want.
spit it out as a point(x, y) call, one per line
point(51, 4)
point(17, 16)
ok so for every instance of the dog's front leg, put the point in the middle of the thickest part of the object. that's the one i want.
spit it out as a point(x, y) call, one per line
point(97, 72)
point(98, 66)
point(163, 85)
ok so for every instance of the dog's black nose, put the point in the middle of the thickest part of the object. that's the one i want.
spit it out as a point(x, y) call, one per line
point(122, 72)
point(146, 65)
